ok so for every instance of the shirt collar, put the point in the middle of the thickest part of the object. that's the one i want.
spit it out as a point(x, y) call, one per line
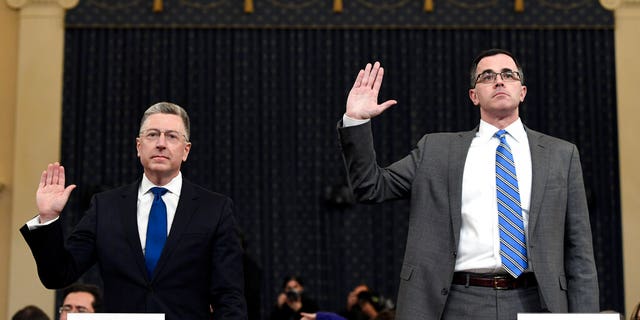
point(174, 186)
point(516, 130)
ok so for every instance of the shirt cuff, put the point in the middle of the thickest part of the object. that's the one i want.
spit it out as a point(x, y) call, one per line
point(35, 223)
point(350, 122)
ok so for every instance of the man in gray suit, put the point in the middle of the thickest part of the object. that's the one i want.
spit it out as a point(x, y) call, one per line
point(499, 222)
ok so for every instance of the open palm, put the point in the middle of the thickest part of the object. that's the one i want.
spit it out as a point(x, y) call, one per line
point(52, 195)
point(362, 102)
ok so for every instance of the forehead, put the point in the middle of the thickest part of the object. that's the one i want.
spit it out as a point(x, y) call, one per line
point(496, 62)
point(79, 298)
point(164, 121)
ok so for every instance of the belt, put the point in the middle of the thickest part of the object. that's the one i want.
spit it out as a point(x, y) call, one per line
point(498, 282)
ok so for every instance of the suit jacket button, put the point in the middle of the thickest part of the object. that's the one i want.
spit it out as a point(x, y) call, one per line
point(444, 291)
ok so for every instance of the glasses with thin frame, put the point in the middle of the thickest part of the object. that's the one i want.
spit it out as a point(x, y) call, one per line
point(68, 309)
point(171, 136)
point(488, 76)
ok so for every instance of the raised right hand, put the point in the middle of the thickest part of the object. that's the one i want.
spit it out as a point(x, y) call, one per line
point(362, 102)
point(52, 195)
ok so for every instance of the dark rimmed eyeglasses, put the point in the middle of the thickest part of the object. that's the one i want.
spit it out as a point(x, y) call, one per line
point(489, 76)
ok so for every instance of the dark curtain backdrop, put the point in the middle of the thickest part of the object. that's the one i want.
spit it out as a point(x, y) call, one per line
point(264, 104)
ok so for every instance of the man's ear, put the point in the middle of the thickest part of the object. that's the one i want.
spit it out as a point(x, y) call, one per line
point(138, 147)
point(474, 97)
point(187, 148)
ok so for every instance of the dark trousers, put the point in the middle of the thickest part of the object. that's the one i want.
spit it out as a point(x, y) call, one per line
point(481, 303)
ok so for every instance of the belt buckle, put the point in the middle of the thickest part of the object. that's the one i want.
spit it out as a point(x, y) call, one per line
point(496, 285)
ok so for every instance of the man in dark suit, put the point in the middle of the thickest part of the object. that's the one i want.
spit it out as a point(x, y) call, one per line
point(499, 221)
point(172, 250)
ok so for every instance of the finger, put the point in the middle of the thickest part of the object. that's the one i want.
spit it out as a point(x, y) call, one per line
point(61, 176)
point(49, 174)
point(366, 74)
point(359, 77)
point(43, 179)
point(374, 73)
point(377, 83)
point(56, 174)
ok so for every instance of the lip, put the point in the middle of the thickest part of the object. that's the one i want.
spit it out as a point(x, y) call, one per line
point(500, 93)
point(159, 157)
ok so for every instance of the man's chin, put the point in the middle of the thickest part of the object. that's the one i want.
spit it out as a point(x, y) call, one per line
point(159, 169)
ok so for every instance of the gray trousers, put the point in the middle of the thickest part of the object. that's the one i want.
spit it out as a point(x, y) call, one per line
point(481, 303)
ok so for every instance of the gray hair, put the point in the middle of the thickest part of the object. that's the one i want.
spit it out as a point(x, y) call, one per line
point(169, 108)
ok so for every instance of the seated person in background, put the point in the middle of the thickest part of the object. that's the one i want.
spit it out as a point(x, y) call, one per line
point(353, 308)
point(80, 298)
point(30, 313)
point(364, 304)
point(292, 301)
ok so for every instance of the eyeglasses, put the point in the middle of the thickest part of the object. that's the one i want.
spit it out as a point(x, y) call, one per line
point(490, 76)
point(69, 308)
point(171, 136)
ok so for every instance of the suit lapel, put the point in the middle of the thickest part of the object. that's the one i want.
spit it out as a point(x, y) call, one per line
point(457, 158)
point(539, 172)
point(128, 209)
point(187, 206)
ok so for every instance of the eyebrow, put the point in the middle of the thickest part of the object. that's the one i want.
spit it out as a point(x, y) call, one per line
point(77, 306)
point(491, 70)
point(177, 130)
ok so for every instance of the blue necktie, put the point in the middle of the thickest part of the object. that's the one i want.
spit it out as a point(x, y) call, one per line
point(513, 249)
point(156, 230)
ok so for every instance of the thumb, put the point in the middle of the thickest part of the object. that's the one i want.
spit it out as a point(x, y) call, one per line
point(68, 189)
point(385, 105)
point(388, 104)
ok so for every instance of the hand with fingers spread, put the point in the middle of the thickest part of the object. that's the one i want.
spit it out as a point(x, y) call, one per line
point(362, 102)
point(52, 195)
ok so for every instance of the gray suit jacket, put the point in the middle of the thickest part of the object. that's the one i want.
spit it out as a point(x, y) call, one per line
point(559, 244)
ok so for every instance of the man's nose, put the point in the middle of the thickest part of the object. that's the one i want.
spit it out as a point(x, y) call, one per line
point(162, 140)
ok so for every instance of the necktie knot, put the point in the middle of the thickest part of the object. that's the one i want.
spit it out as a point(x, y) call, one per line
point(501, 134)
point(158, 191)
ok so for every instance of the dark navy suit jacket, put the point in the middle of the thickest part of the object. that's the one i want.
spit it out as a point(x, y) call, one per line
point(200, 265)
